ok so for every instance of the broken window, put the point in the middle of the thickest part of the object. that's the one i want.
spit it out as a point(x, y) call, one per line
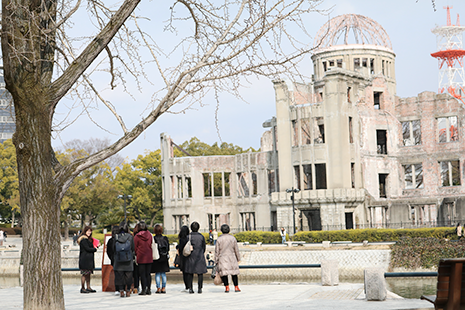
point(450, 173)
point(297, 177)
point(320, 171)
point(207, 185)
point(382, 67)
point(248, 221)
point(413, 176)
point(188, 186)
point(179, 191)
point(351, 137)
point(305, 131)
point(411, 132)
point(377, 98)
point(217, 184)
point(365, 62)
point(319, 130)
point(254, 184)
point(321, 95)
point(381, 141)
point(227, 176)
point(372, 65)
point(173, 187)
point(447, 128)
point(271, 181)
point(324, 66)
point(243, 186)
point(352, 174)
point(307, 176)
point(382, 185)
point(356, 63)
point(339, 63)
point(295, 136)
point(348, 95)
point(180, 220)
point(331, 63)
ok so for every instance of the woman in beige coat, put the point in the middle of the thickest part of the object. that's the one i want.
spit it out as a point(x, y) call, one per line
point(227, 257)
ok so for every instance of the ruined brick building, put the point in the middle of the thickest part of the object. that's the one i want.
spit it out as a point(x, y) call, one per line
point(359, 155)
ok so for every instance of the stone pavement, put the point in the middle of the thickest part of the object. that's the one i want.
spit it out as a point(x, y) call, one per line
point(306, 296)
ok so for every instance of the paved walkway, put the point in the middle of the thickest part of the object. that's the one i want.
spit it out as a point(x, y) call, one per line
point(346, 296)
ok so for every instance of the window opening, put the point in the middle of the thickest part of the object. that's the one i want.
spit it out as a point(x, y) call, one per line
point(377, 100)
point(348, 95)
point(188, 186)
point(295, 136)
point(381, 141)
point(320, 171)
point(372, 65)
point(339, 63)
point(382, 67)
point(351, 137)
point(271, 181)
point(180, 192)
point(307, 176)
point(248, 221)
point(331, 63)
point(173, 187)
point(352, 174)
point(207, 185)
point(227, 177)
point(382, 185)
point(243, 188)
point(217, 184)
point(324, 66)
point(448, 130)
point(349, 220)
point(413, 176)
point(297, 177)
point(356, 63)
point(411, 132)
point(319, 130)
point(321, 96)
point(450, 173)
point(254, 183)
point(365, 62)
point(305, 129)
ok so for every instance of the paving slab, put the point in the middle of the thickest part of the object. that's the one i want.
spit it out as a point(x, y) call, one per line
point(345, 296)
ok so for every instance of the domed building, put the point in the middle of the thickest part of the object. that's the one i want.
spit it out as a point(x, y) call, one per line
point(342, 152)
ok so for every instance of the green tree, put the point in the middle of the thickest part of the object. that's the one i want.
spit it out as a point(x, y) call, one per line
point(195, 147)
point(9, 192)
point(142, 180)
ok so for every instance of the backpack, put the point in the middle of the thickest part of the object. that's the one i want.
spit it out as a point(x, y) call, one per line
point(163, 248)
point(123, 251)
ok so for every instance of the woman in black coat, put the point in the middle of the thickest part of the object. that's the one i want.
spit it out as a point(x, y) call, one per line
point(183, 238)
point(86, 258)
point(195, 262)
point(161, 266)
point(123, 269)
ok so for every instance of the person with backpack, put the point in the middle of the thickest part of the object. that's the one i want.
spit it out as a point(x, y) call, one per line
point(143, 244)
point(124, 256)
point(161, 266)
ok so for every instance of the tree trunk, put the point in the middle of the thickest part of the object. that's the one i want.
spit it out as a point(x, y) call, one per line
point(66, 235)
point(12, 218)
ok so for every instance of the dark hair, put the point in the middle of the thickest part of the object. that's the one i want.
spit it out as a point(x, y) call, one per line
point(158, 229)
point(183, 232)
point(124, 227)
point(195, 226)
point(136, 229)
point(142, 226)
point(225, 229)
point(86, 228)
point(114, 231)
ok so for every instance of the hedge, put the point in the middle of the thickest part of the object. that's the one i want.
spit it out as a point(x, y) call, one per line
point(413, 253)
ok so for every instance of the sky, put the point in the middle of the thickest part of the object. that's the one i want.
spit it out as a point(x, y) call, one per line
point(407, 22)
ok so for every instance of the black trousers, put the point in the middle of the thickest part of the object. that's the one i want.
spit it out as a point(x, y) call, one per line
point(184, 278)
point(135, 275)
point(190, 279)
point(123, 279)
point(144, 274)
point(234, 278)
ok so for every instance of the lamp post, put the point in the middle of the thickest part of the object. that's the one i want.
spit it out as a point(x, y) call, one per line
point(124, 197)
point(293, 191)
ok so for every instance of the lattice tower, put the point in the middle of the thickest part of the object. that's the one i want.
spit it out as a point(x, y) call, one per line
point(450, 55)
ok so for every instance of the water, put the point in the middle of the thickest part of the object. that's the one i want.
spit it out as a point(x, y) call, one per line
point(405, 287)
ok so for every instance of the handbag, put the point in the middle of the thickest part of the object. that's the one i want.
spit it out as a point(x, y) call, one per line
point(188, 248)
point(217, 280)
point(155, 253)
point(213, 275)
point(176, 262)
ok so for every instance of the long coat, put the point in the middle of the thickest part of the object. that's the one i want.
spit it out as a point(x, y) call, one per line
point(227, 255)
point(124, 266)
point(143, 246)
point(86, 253)
point(182, 258)
point(196, 263)
point(161, 264)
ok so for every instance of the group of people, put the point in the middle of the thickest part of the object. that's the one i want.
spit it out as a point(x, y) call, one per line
point(132, 259)
point(226, 257)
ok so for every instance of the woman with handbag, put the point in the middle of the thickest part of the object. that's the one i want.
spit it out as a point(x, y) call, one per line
point(195, 262)
point(161, 266)
point(143, 245)
point(183, 239)
point(227, 257)
point(86, 259)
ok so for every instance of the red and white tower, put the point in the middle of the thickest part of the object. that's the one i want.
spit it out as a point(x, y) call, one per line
point(450, 56)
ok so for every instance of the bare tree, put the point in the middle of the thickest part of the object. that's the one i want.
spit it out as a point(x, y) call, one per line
point(213, 46)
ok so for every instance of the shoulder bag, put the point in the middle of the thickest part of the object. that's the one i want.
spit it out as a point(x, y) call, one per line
point(188, 248)
point(155, 253)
